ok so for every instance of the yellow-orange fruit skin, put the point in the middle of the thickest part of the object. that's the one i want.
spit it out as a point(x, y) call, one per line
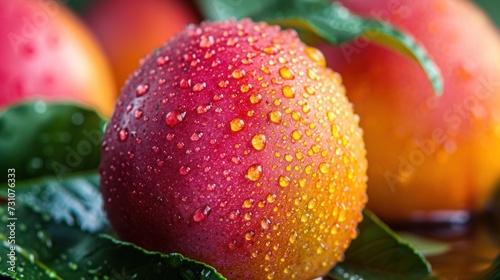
point(234, 145)
point(431, 158)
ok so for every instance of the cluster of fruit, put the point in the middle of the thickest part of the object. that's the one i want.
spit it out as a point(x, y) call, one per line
point(234, 142)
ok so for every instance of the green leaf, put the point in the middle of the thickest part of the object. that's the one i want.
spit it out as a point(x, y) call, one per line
point(492, 273)
point(492, 8)
point(327, 21)
point(425, 246)
point(74, 200)
point(58, 235)
point(46, 139)
point(378, 253)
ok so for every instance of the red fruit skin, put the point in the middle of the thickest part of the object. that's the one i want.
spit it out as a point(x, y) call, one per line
point(45, 52)
point(431, 158)
point(129, 29)
point(175, 164)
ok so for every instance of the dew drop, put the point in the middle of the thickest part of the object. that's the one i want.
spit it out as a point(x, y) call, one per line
point(184, 83)
point(248, 203)
point(184, 170)
point(234, 214)
point(249, 235)
point(174, 117)
point(296, 135)
point(335, 131)
point(312, 74)
point(199, 87)
point(310, 90)
point(271, 198)
point(324, 167)
point(311, 204)
point(284, 181)
point(138, 114)
point(160, 61)
point(196, 136)
point(255, 98)
point(275, 117)
point(123, 135)
point(259, 142)
point(206, 42)
point(254, 172)
point(286, 73)
point(264, 223)
point(245, 88)
point(202, 213)
point(293, 237)
point(288, 91)
point(237, 124)
point(270, 50)
point(141, 90)
point(238, 74)
point(316, 55)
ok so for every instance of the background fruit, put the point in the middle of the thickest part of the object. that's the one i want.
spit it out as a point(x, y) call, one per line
point(130, 29)
point(235, 146)
point(430, 157)
point(47, 53)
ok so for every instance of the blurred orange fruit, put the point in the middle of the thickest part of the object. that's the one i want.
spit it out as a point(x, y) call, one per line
point(130, 29)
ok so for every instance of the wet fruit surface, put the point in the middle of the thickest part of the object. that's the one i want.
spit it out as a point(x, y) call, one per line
point(431, 158)
point(234, 145)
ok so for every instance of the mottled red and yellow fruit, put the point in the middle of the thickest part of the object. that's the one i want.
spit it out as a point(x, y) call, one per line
point(130, 29)
point(430, 157)
point(234, 145)
point(45, 52)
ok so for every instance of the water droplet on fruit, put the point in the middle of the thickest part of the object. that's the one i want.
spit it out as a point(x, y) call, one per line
point(202, 213)
point(293, 237)
point(275, 117)
point(206, 42)
point(271, 198)
point(312, 74)
point(184, 170)
point(185, 83)
point(245, 88)
point(199, 87)
point(123, 135)
point(259, 142)
point(284, 181)
point(237, 124)
point(296, 135)
point(174, 117)
point(288, 91)
point(316, 56)
point(254, 172)
point(141, 90)
point(255, 98)
point(249, 235)
point(138, 114)
point(324, 167)
point(310, 90)
point(306, 108)
point(160, 61)
point(286, 73)
point(248, 203)
point(264, 223)
point(234, 214)
point(196, 136)
point(311, 204)
point(238, 74)
point(270, 50)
